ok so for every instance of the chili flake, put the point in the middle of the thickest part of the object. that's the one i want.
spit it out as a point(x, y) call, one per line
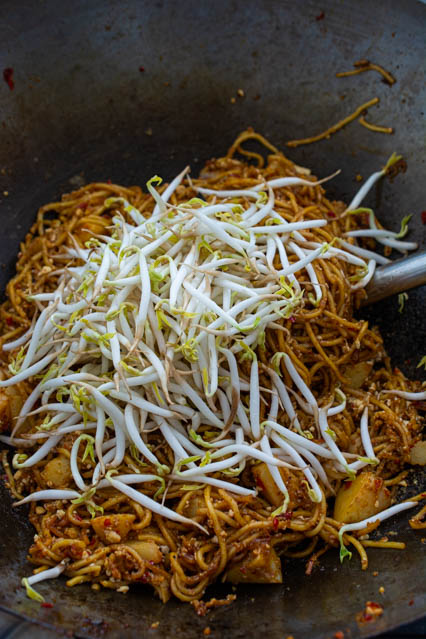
point(8, 77)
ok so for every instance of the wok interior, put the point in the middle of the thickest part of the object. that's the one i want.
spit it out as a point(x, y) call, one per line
point(83, 110)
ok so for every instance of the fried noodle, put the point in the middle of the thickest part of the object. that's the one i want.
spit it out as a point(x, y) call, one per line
point(318, 371)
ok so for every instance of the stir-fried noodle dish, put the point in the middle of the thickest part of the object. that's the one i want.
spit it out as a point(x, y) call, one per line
point(186, 391)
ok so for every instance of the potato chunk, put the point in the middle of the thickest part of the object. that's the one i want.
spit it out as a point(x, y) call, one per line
point(261, 566)
point(147, 550)
point(89, 226)
point(113, 528)
point(269, 489)
point(361, 498)
point(358, 373)
point(418, 453)
point(4, 410)
point(11, 402)
point(57, 472)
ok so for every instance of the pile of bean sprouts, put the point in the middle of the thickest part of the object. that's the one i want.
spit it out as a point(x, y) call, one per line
point(168, 342)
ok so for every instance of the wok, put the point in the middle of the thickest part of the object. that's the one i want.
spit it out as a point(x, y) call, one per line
point(123, 90)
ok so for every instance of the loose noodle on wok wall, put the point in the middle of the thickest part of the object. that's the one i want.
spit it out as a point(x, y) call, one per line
point(109, 539)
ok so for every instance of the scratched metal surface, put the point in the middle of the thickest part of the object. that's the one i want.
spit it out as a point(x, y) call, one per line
point(81, 107)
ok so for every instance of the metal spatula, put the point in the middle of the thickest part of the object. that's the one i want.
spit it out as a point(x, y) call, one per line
point(397, 277)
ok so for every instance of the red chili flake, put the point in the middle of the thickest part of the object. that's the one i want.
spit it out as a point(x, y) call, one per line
point(423, 214)
point(368, 617)
point(84, 205)
point(107, 522)
point(141, 69)
point(339, 635)
point(243, 570)
point(347, 484)
point(288, 515)
point(9, 321)
point(411, 602)
point(275, 523)
point(374, 605)
point(46, 604)
point(77, 516)
point(420, 405)
point(8, 77)
point(320, 16)
point(260, 483)
point(331, 214)
point(377, 484)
